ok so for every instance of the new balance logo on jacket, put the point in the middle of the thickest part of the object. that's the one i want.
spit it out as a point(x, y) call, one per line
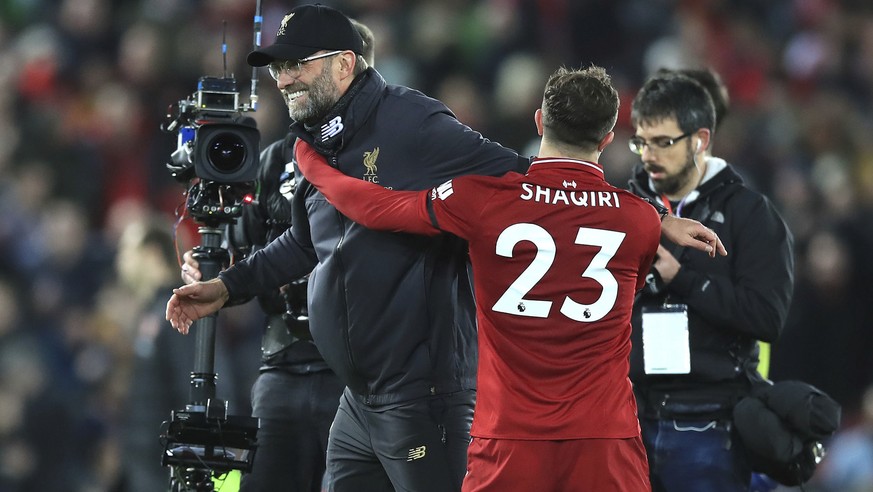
point(332, 128)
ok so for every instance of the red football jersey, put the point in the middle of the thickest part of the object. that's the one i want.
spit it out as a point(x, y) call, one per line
point(558, 255)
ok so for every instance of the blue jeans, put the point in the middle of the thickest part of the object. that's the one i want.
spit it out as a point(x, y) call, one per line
point(694, 456)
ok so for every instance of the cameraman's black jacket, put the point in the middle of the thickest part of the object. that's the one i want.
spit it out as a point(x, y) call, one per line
point(261, 222)
point(392, 313)
point(732, 301)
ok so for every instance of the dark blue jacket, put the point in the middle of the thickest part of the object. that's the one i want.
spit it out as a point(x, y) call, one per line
point(393, 314)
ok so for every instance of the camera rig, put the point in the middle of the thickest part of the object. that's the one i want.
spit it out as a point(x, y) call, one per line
point(217, 152)
point(217, 159)
point(202, 441)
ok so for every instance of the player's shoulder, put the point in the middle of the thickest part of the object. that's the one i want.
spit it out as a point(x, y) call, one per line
point(510, 179)
point(474, 187)
point(639, 206)
point(630, 196)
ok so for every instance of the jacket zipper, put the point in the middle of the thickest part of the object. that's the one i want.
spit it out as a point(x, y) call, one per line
point(337, 254)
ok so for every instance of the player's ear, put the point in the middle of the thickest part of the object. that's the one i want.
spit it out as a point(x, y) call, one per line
point(538, 119)
point(605, 141)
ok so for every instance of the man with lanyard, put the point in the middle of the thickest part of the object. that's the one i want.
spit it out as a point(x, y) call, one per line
point(697, 322)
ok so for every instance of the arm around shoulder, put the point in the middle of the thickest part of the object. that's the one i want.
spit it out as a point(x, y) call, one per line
point(365, 203)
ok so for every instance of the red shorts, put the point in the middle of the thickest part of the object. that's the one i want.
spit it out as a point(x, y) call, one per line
point(596, 465)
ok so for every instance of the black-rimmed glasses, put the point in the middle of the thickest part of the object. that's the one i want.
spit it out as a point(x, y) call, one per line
point(636, 143)
point(293, 67)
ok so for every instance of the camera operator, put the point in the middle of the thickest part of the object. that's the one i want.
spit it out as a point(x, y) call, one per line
point(697, 322)
point(296, 395)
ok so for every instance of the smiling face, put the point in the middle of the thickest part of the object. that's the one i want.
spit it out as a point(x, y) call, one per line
point(310, 92)
point(672, 169)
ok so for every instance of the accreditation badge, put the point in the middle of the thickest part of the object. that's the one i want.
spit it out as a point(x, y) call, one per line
point(666, 349)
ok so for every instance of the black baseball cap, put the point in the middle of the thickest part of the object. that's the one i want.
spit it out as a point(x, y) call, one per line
point(307, 29)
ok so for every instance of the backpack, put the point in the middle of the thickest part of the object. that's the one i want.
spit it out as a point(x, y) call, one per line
point(782, 426)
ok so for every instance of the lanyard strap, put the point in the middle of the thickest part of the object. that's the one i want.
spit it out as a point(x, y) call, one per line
point(666, 202)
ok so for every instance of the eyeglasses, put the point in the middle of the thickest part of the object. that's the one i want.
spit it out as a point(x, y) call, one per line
point(636, 143)
point(292, 67)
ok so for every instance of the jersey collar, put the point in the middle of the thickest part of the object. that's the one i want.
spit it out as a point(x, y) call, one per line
point(566, 162)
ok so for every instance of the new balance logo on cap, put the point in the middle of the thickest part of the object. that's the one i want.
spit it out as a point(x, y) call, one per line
point(332, 128)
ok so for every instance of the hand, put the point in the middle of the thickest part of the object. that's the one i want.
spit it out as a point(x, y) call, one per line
point(194, 301)
point(693, 234)
point(191, 268)
point(666, 264)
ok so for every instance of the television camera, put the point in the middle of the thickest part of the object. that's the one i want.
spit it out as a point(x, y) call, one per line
point(217, 153)
point(217, 158)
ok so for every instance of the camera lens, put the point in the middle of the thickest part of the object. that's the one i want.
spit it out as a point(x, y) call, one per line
point(226, 152)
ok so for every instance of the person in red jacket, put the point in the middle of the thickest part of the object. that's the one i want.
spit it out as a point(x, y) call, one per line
point(558, 255)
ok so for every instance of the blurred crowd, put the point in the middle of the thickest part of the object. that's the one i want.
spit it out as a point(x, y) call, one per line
point(85, 86)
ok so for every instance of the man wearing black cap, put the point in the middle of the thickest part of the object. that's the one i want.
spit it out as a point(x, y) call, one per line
point(295, 395)
point(392, 314)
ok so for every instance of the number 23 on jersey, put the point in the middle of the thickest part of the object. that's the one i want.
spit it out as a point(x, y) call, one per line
point(513, 300)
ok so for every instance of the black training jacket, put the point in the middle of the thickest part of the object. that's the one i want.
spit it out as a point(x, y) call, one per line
point(732, 301)
point(393, 314)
